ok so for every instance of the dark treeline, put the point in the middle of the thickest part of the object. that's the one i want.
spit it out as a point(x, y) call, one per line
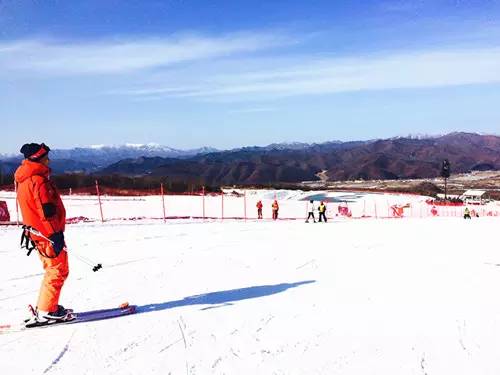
point(126, 185)
point(423, 188)
point(117, 184)
point(6, 179)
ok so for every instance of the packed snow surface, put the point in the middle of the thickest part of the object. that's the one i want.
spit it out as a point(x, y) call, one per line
point(399, 296)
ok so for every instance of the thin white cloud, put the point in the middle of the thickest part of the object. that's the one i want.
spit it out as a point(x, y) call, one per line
point(401, 6)
point(313, 76)
point(154, 91)
point(253, 110)
point(232, 68)
point(123, 56)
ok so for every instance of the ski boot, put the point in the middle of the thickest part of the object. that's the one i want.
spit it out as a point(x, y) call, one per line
point(41, 318)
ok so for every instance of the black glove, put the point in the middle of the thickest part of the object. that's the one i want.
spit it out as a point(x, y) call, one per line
point(57, 242)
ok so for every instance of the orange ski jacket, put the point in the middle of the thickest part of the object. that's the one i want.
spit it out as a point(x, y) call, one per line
point(39, 200)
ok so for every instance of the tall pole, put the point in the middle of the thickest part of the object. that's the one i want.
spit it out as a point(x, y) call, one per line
point(163, 203)
point(445, 173)
point(17, 204)
point(245, 204)
point(222, 205)
point(203, 202)
point(99, 199)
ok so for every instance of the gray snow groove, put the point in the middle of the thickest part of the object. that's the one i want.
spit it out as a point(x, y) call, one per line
point(19, 295)
point(25, 277)
point(182, 331)
point(61, 354)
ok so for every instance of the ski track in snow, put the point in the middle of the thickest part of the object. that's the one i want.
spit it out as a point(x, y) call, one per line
point(61, 354)
point(409, 296)
point(25, 277)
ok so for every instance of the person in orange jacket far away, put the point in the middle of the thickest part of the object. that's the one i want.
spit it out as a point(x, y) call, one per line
point(259, 209)
point(43, 210)
point(275, 208)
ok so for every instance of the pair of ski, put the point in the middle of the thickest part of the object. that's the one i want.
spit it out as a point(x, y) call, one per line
point(77, 317)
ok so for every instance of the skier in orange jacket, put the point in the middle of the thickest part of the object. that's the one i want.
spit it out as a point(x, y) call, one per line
point(43, 210)
point(259, 206)
point(275, 208)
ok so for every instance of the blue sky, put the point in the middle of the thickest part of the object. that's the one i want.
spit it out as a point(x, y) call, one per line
point(234, 73)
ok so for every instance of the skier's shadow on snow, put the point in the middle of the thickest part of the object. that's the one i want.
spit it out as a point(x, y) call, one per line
point(222, 298)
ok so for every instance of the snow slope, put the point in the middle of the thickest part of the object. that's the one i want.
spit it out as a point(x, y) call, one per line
point(413, 296)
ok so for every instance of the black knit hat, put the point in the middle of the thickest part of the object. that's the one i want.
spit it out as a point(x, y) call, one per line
point(35, 151)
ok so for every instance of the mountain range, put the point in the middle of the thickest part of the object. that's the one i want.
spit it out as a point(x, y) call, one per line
point(394, 158)
point(93, 158)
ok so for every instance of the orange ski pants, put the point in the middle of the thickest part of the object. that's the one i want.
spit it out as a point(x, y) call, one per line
point(56, 272)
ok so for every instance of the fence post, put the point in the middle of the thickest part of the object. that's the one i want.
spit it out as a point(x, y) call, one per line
point(375, 202)
point(17, 204)
point(203, 189)
point(163, 203)
point(245, 204)
point(222, 204)
point(99, 199)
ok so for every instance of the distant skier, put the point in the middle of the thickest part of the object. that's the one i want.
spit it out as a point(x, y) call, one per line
point(259, 209)
point(310, 211)
point(43, 210)
point(322, 211)
point(275, 208)
point(467, 213)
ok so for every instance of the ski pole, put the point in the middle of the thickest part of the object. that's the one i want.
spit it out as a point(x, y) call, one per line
point(95, 267)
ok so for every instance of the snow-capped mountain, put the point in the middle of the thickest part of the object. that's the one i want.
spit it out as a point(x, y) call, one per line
point(102, 155)
point(293, 146)
point(288, 146)
point(91, 158)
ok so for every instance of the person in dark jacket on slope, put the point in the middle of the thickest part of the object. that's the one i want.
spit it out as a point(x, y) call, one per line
point(322, 212)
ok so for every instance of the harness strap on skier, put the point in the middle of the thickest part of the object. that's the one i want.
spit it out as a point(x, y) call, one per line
point(29, 244)
point(26, 240)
